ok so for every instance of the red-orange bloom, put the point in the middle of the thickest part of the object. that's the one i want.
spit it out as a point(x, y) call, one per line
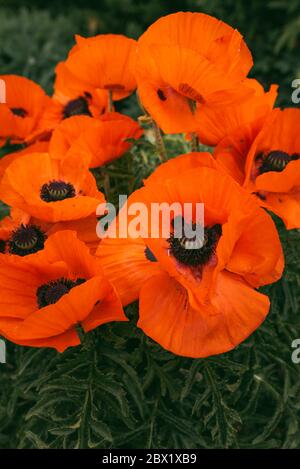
point(187, 63)
point(22, 235)
point(105, 62)
point(51, 190)
point(85, 229)
point(19, 235)
point(267, 163)
point(99, 141)
point(201, 301)
point(39, 147)
point(219, 121)
point(20, 115)
point(9, 224)
point(71, 97)
point(44, 298)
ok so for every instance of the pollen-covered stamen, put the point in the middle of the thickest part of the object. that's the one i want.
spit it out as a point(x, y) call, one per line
point(195, 252)
point(27, 239)
point(76, 107)
point(19, 111)
point(55, 191)
point(52, 292)
point(2, 246)
point(276, 161)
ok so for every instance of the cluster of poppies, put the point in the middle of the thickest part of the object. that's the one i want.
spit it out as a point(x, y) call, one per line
point(57, 279)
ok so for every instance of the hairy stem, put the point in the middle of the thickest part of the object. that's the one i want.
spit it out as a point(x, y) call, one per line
point(194, 142)
point(110, 101)
point(161, 150)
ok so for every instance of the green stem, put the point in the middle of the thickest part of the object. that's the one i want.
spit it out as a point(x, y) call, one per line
point(80, 333)
point(106, 184)
point(110, 101)
point(161, 149)
point(194, 142)
point(147, 119)
point(86, 338)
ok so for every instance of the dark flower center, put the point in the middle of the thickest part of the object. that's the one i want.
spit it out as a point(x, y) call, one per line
point(51, 292)
point(76, 107)
point(276, 160)
point(161, 95)
point(19, 111)
point(195, 252)
point(27, 239)
point(260, 195)
point(55, 191)
point(149, 255)
point(2, 246)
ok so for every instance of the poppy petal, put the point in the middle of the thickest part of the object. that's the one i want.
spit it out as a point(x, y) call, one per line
point(168, 318)
point(106, 62)
point(126, 265)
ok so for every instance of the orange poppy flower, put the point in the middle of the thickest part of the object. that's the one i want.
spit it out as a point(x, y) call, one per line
point(269, 164)
point(44, 298)
point(188, 161)
point(85, 229)
point(188, 62)
point(9, 224)
point(232, 150)
point(5, 161)
point(201, 301)
point(100, 141)
point(67, 133)
point(20, 115)
point(140, 264)
point(22, 235)
point(51, 190)
point(218, 122)
point(71, 97)
point(105, 62)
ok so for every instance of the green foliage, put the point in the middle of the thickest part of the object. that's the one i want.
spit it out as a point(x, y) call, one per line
point(120, 389)
point(32, 41)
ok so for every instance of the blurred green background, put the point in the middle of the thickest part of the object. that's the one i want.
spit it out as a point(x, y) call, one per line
point(36, 34)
